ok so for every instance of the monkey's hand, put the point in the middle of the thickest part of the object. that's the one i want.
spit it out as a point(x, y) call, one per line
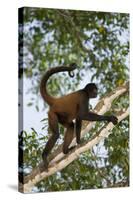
point(80, 141)
point(113, 119)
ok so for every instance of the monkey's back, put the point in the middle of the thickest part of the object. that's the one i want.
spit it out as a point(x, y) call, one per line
point(67, 106)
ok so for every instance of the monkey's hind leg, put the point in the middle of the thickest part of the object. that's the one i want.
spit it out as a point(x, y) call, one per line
point(69, 135)
point(53, 125)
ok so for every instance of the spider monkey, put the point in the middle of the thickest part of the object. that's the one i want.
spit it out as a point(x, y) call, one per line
point(65, 109)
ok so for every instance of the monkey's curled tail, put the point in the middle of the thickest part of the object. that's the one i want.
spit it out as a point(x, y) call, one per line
point(49, 99)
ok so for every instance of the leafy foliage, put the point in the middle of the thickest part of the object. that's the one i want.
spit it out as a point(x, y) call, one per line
point(99, 43)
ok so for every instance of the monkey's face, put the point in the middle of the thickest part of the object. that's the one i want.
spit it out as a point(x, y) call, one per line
point(93, 93)
point(91, 90)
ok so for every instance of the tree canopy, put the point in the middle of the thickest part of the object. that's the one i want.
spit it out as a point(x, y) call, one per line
point(99, 43)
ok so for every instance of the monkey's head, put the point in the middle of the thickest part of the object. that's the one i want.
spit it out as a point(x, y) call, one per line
point(91, 90)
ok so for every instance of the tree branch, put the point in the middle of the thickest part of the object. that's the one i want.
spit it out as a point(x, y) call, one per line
point(58, 160)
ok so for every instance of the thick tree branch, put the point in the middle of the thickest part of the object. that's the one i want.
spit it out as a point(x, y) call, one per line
point(58, 160)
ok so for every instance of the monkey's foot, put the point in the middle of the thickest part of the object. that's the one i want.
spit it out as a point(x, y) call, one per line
point(71, 148)
point(44, 165)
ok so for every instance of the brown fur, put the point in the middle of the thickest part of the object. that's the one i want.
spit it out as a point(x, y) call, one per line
point(65, 109)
